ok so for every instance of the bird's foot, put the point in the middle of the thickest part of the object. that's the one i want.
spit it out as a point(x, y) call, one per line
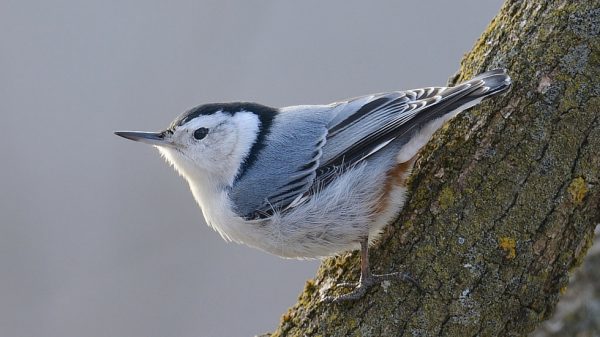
point(365, 283)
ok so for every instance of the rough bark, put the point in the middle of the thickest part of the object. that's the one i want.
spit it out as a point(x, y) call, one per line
point(578, 311)
point(503, 201)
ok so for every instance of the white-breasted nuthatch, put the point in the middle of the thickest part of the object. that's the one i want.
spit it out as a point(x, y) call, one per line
point(310, 181)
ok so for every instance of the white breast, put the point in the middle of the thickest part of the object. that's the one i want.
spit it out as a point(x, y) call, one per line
point(332, 221)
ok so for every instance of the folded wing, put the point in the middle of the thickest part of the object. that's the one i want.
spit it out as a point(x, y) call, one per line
point(310, 145)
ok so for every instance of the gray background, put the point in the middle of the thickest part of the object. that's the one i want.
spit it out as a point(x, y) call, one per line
point(98, 236)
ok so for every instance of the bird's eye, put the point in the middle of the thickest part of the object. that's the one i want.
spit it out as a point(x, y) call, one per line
point(200, 133)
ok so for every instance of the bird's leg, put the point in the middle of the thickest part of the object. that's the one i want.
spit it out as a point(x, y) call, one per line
point(367, 279)
point(365, 272)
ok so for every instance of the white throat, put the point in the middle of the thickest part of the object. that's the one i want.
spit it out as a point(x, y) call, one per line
point(209, 184)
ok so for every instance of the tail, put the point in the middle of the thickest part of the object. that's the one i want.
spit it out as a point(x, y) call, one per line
point(446, 102)
point(440, 104)
point(486, 84)
point(451, 100)
point(496, 80)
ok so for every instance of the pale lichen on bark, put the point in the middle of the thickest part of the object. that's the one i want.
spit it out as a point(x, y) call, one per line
point(503, 201)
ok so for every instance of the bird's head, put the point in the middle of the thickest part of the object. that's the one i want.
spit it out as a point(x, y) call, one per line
point(213, 141)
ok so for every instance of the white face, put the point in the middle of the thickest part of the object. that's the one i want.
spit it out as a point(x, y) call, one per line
point(211, 146)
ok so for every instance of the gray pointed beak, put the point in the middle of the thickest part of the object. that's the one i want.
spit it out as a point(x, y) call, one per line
point(152, 138)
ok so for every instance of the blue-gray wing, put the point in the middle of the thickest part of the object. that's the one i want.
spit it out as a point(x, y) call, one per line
point(309, 145)
point(285, 167)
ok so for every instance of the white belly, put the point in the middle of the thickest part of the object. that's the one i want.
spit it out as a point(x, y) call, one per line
point(332, 221)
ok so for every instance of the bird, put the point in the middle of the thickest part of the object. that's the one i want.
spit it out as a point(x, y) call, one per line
point(311, 181)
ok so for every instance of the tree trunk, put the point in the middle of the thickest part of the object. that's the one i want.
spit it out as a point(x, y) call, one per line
point(503, 202)
point(578, 312)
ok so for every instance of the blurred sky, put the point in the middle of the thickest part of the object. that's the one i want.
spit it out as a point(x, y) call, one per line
point(98, 236)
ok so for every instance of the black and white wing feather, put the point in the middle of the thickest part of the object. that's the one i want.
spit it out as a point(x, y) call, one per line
point(368, 124)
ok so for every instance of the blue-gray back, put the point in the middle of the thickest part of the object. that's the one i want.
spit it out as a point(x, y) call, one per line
point(286, 166)
point(308, 146)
